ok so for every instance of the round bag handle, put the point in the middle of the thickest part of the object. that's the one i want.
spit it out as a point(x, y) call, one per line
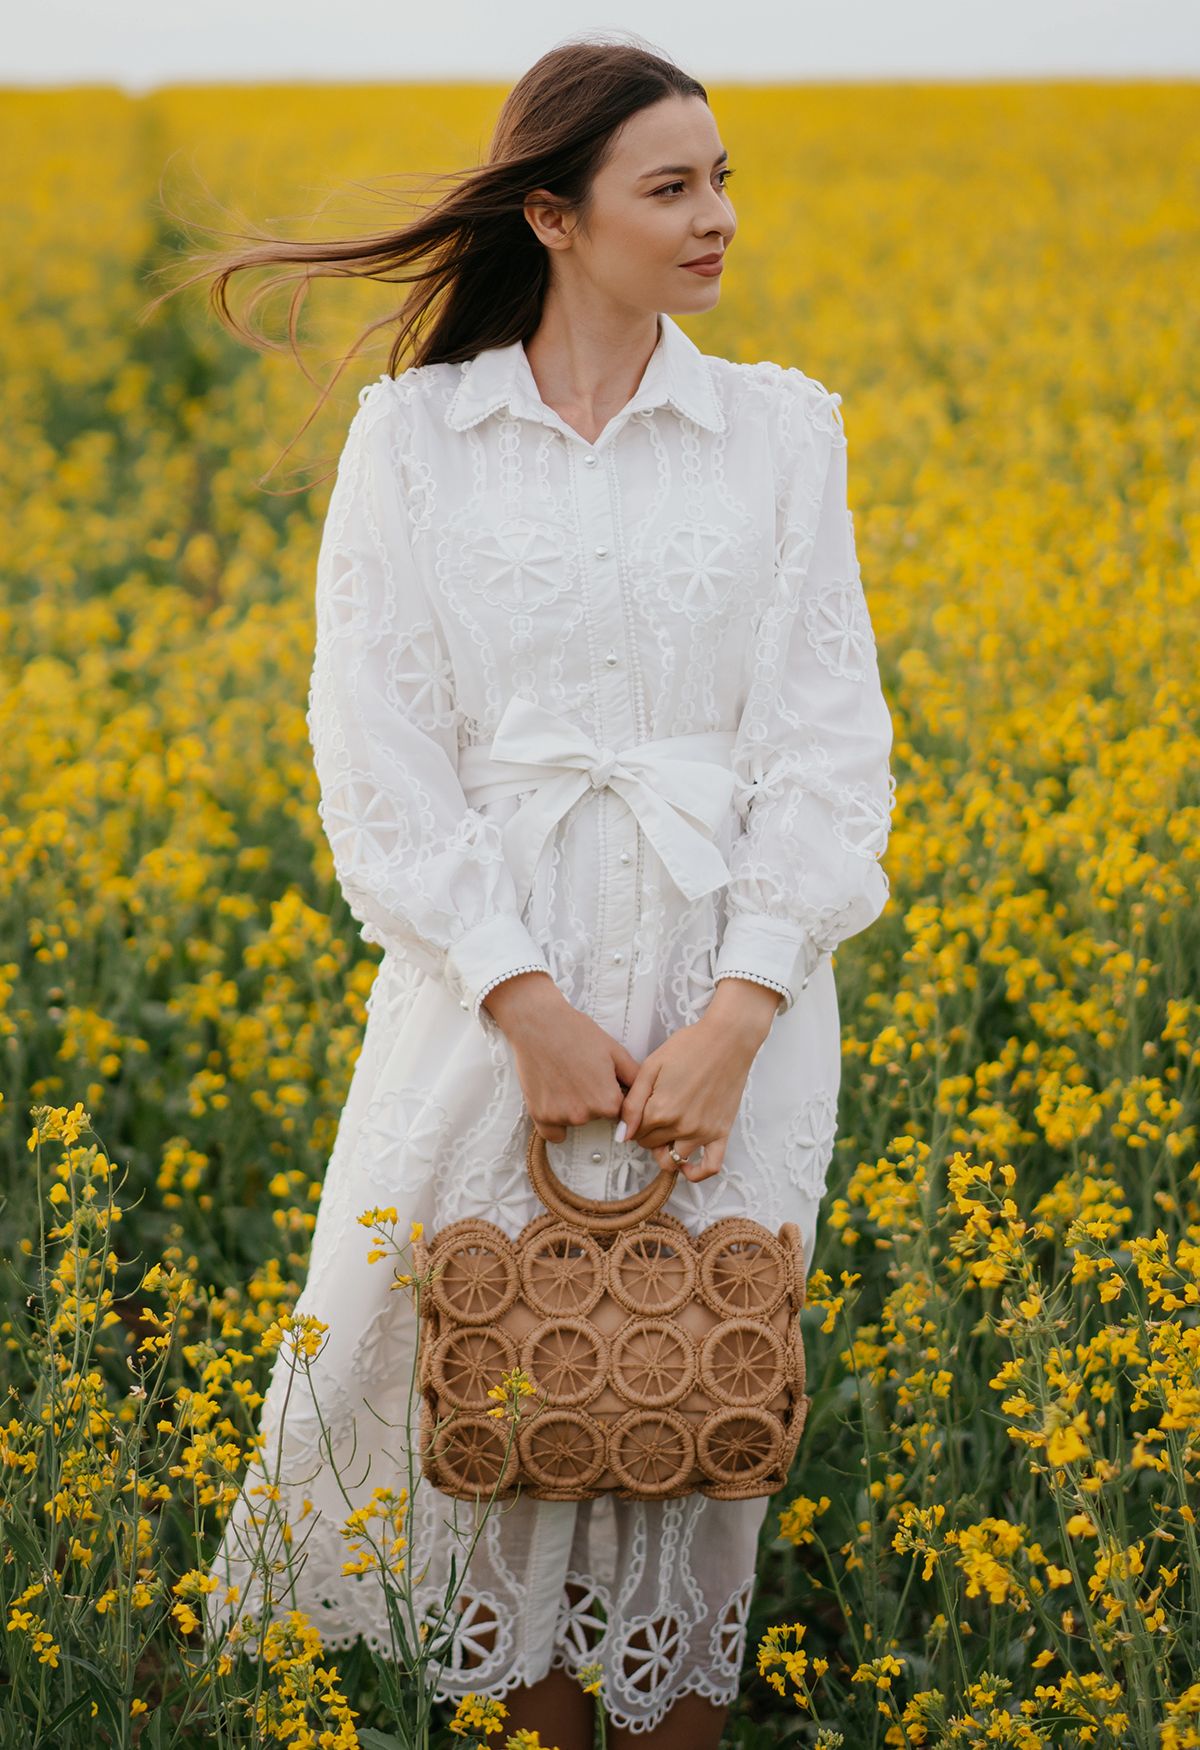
point(592, 1213)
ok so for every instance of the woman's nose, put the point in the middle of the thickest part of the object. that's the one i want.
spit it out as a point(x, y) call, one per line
point(723, 220)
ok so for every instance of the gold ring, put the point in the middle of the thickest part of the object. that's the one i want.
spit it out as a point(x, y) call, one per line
point(679, 1160)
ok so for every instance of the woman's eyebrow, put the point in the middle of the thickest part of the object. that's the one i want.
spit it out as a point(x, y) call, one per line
point(681, 169)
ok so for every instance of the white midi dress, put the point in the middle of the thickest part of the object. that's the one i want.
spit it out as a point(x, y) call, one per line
point(611, 711)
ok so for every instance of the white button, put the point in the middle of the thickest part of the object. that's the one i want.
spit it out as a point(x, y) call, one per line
point(804, 984)
point(601, 552)
point(596, 1155)
point(590, 462)
point(464, 1005)
point(618, 957)
point(624, 856)
point(611, 658)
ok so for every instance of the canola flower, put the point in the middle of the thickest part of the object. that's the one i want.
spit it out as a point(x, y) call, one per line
point(478, 1718)
point(591, 1679)
point(996, 1488)
point(1106, 1616)
point(513, 1388)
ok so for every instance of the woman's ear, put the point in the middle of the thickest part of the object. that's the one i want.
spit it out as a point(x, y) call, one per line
point(549, 219)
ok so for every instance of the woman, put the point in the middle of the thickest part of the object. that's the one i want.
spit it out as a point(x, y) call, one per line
point(563, 534)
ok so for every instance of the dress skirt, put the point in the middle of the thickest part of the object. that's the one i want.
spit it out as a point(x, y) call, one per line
point(435, 1127)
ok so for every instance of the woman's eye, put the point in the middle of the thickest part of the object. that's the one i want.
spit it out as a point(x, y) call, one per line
point(670, 187)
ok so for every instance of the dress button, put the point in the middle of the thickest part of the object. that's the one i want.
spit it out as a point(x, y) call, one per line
point(589, 462)
point(464, 1005)
point(596, 1155)
point(624, 856)
point(618, 957)
point(601, 552)
point(611, 658)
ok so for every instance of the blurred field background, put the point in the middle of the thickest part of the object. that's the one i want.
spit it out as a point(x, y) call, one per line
point(990, 1536)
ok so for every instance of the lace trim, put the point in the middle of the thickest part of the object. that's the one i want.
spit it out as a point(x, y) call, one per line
point(757, 978)
point(690, 1683)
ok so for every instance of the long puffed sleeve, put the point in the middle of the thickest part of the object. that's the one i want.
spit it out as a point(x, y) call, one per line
point(424, 874)
point(811, 758)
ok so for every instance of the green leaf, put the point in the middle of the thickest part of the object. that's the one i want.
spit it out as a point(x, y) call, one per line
point(48, 1734)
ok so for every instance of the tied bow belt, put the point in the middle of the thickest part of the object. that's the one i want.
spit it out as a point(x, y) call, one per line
point(680, 788)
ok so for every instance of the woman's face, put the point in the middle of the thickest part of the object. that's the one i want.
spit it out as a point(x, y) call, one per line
point(658, 202)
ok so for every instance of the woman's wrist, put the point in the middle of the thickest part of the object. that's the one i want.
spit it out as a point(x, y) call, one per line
point(522, 1000)
point(743, 1009)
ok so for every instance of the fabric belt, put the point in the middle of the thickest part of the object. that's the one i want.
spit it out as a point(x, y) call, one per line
point(680, 787)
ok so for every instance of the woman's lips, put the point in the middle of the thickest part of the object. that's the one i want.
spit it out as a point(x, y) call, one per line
point(709, 268)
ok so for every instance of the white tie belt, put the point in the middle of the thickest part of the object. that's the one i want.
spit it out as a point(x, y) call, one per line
point(680, 788)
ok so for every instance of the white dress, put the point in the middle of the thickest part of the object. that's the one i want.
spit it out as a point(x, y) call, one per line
point(611, 710)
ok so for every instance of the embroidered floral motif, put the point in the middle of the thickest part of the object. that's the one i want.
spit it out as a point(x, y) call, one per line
point(480, 1639)
point(839, 630)
point(650, 1651)
point(861, 820)
point(697, 567)
point(509, 1205)
point(399, 1140)
point(582, 1622)
point(808, 1142)
point(518, 566)
point(420, 680)
point(728, 1638)
point(346, 602)
point(367, 827)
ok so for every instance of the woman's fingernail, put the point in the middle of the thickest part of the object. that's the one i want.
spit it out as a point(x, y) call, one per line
point(620, 1131)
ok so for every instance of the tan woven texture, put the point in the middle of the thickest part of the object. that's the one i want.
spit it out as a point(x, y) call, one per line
point(662, 1365)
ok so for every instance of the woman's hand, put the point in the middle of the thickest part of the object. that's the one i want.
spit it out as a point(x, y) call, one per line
point(688, 1091)
point(570, 1069)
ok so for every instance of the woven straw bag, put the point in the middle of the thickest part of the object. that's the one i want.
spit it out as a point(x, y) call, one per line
point(662, 1365)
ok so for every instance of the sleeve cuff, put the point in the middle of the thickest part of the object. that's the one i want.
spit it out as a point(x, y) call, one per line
point(485, 955)
point(768, 951)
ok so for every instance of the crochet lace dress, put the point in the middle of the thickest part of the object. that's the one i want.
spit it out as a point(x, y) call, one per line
point(611, 711)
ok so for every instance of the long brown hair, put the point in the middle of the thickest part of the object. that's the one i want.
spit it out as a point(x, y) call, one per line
point(479, 275)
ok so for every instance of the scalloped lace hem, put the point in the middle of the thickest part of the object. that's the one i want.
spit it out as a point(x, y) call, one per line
point(690, 1683)
point(693, 1683)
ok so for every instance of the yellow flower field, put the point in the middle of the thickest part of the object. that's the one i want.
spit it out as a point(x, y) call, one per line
point(991, 1536)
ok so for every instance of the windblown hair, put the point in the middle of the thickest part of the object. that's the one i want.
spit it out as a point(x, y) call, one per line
point(479, 276)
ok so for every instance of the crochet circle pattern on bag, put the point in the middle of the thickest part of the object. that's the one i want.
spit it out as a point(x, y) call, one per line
point(660, 1364)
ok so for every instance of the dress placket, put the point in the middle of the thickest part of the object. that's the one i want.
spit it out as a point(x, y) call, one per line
point(616, 730)
point(588, 1155)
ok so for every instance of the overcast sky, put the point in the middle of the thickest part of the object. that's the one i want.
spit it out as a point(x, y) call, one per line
point(141, 43)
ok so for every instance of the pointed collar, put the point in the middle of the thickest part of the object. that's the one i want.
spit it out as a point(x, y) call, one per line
point(501, 376)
